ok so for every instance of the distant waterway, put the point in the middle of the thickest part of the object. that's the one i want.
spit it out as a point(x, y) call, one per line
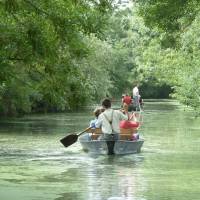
point(35, 166)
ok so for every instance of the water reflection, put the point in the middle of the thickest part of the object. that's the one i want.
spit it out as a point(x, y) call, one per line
point(113, 177)
point(35, 165)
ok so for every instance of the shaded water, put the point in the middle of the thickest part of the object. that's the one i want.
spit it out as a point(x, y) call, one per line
point(35, 166)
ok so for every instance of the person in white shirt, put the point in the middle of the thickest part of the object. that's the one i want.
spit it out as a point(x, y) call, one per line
point(136, 97)
point(109, 121)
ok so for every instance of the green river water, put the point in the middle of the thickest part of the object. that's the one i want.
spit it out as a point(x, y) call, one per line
point(35, 166)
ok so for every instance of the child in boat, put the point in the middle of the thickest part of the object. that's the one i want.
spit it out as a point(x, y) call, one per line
point(92, 126)
point(94, 131)
point(96, 112)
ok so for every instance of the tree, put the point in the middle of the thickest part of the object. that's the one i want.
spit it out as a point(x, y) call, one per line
point(39, 47)
point(168, 15)
point(176, 65)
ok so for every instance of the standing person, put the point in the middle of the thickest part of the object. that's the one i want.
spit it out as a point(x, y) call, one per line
point(109, 123)
point(136, 97)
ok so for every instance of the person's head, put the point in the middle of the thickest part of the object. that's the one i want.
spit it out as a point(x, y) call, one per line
point(106, 103)
point(97, 112)
point(136, 84)
point(102, 109)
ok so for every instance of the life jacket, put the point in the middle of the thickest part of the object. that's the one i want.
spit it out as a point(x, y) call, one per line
point(128, 124)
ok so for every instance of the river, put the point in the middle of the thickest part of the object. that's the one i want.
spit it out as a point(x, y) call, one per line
point(35, 166)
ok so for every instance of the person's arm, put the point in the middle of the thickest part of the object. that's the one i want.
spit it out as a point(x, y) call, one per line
point(133, 117)
point(98, 122)
point(123, 116)
point(125, 108)
point(92, 123)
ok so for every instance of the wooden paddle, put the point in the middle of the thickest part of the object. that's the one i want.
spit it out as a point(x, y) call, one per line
point(71, 139)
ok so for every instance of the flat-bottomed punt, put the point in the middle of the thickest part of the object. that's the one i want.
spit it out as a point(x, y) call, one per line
point(121, 147)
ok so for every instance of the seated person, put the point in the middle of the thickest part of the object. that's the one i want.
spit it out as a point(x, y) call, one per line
point(96, 112)
point(129, 128)
point(131, 116)
point(126, 124)
point(89, 134)
point(127, 99)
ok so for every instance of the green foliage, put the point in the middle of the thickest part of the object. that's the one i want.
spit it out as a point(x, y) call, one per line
point(41, 46)
point(14, 94)
point(178, 67)
point(96, 68)
point(168, 15)
point(127, 36)
point(61, 57)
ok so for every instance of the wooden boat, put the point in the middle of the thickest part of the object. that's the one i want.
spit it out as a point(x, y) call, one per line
point(91, 143)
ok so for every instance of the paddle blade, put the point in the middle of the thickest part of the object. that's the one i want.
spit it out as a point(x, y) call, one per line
point(69, 140)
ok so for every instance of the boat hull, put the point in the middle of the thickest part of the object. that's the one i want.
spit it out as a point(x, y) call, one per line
point(120, 147)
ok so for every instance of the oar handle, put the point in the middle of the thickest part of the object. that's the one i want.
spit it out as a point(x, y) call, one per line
point(83, 131)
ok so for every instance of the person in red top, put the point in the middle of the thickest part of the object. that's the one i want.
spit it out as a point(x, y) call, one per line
point(127, 99)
